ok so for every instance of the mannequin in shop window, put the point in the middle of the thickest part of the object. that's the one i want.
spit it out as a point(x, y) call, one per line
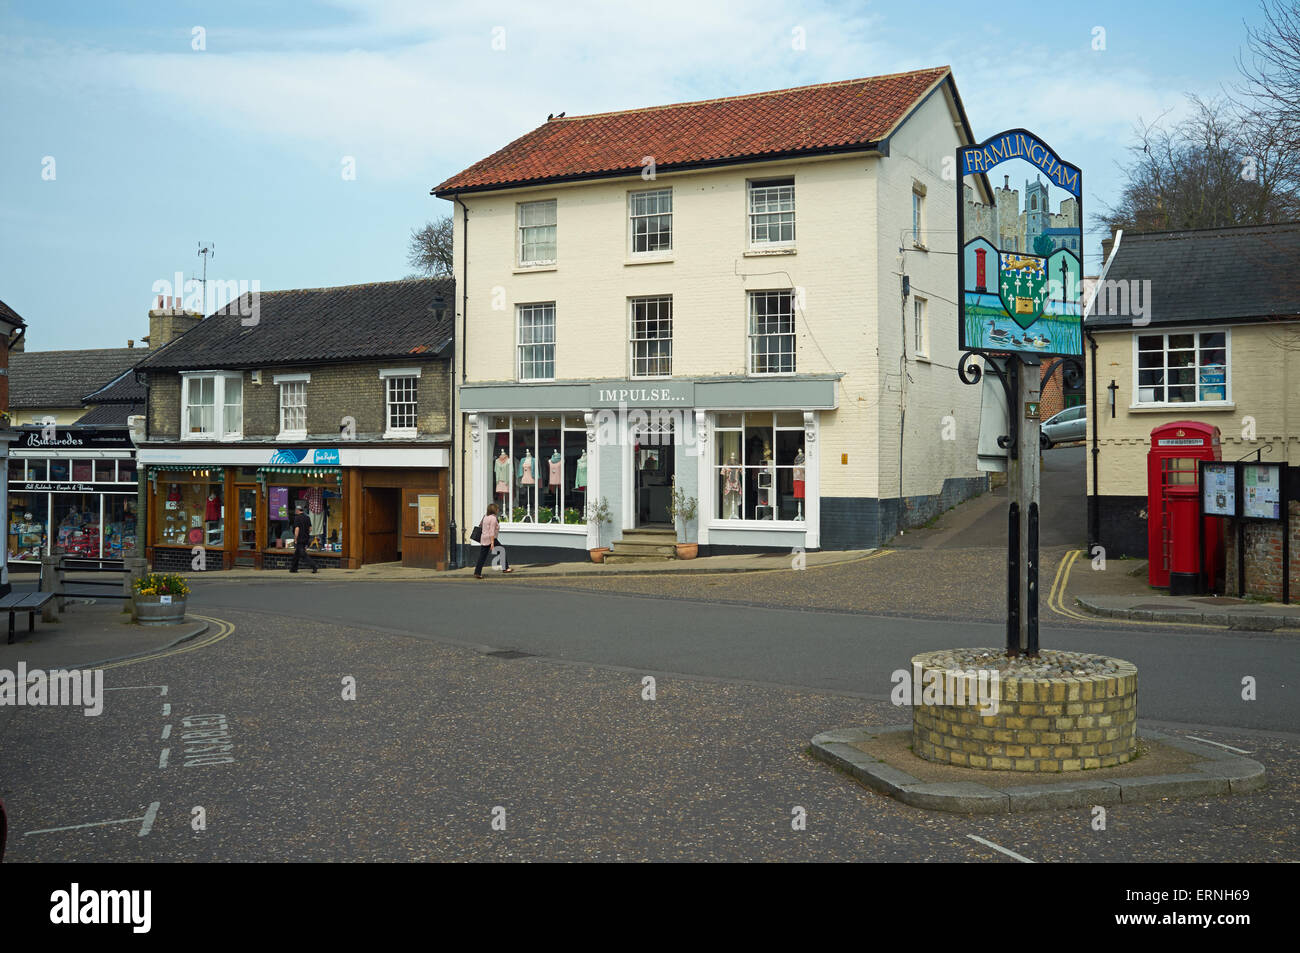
point(799, 481)
point(316, 515)
point(731, 485)
point(554, 478)
point(501, 470)
point(527, 474)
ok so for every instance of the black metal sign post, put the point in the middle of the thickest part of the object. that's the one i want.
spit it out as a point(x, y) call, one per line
point(1019, 278)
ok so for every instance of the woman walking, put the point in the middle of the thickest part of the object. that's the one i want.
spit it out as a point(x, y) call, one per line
point(488, 541)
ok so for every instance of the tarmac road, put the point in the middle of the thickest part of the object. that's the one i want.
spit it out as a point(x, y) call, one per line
point(440, 738)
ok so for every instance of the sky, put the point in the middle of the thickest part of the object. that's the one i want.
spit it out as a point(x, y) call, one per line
point(134, 131)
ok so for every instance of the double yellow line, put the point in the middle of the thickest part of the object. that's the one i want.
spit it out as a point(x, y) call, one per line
point(1056, 601)
point(218, 630)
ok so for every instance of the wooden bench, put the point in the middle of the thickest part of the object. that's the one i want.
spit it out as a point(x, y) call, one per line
point(30, 602)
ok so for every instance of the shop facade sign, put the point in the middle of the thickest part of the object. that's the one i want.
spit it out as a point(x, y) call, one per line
point(70, 438)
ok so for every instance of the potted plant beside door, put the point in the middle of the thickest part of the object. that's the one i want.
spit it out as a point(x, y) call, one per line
point(598, 513)
point(160, 598)
point(681, 511)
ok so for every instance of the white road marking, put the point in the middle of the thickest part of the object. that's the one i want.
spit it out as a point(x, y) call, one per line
point(1217, 744)
point(167, 730)
point(162, 760)
point(167, 710)
point(1000, 850)
point(149, 816)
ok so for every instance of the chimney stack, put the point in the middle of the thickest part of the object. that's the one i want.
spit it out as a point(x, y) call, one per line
point(168, 320)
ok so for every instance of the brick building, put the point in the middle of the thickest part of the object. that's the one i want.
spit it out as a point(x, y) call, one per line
point(336, 397)
point(1217, 343)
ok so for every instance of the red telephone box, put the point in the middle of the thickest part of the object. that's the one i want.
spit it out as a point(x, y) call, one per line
point(1184, 549)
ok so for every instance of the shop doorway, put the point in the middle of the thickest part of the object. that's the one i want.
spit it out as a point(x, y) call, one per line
point(383, 526)
point(654, 457)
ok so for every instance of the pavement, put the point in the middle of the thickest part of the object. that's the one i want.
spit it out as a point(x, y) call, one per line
point(88, 635)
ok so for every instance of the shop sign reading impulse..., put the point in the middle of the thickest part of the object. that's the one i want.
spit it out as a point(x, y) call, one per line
point(1020, 265)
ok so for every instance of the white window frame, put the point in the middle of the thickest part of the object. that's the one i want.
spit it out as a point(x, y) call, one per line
point(388, 375)
point(520, 228)
point(753, 188)
point(1226, 404)
point(633, 215)
point(751, 335)
point(219, 429)
point(520, 344)
point(285, 381)
point(918, 215)
point(920, 326)
point(634, 339)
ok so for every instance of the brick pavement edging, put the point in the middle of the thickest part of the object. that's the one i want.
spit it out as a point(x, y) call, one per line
point(1043, 724)
point(1222, 772)
point(1256, 621)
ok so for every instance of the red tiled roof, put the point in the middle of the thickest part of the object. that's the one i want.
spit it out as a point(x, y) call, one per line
point(805, 119)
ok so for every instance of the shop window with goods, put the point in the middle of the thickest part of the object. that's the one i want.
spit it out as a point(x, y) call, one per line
point(537, 471)
point(322, 500)
point(760, 466)
point(76, 507)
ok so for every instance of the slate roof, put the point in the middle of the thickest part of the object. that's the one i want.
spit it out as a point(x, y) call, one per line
point(62, 378)
point(9, 314)
point(111, 415)
point(1213, 275)
point(124, 389)
point(829, 117)
point(389, 319)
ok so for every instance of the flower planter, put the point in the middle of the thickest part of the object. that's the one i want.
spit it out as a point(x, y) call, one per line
point(149, 610)
point(598, 554)
point(688, 550)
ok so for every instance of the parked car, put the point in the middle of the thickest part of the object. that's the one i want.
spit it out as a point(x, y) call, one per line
point(1069, 425)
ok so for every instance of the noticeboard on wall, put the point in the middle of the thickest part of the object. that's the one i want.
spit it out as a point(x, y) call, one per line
point(1251, 491)
point(427, 514)
point(1218, 489)
point(1261, 491)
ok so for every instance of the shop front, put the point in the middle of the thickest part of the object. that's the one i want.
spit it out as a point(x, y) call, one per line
point(218, 508)
point(72, 492)
point(549, 454)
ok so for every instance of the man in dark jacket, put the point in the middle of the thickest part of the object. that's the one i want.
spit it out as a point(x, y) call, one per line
point(301, 536)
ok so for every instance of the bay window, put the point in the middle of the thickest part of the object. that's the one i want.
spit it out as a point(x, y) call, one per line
point(212, 405)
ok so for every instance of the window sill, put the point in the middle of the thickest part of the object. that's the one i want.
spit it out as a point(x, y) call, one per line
point(292, 435)
point(789, 526)
point(400, 435)
point(529, 269)
point(649, 260)
point(766, 374)
point(767, 252)
point(1170, 408)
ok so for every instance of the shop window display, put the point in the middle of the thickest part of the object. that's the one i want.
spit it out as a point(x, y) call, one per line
point(537, 468)
point(83, 471)
point(323, 504)
point(190, 514)
point(760, 466)
point(119, 526)
point(28, 519)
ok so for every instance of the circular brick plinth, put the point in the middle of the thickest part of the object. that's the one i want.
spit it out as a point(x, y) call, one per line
point(1042, 723)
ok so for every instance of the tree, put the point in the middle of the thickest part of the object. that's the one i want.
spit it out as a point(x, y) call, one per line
point(430, 251)
point(1222, 165)
point(1271, 69)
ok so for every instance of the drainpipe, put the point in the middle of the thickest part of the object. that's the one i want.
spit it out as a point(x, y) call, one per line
point(464, 333)
point(1094, 522)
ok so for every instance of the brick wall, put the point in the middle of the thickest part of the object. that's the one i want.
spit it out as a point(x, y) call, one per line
point(1263, 556)
point(334, 392)
point(1042, 724)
